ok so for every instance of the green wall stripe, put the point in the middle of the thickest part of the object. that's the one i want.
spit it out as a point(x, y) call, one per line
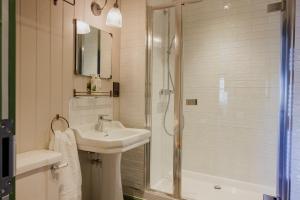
point(12, 60)
point(1, 59)
point(12, 73)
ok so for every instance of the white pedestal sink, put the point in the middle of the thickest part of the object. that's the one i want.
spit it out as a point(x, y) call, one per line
point(111, 143)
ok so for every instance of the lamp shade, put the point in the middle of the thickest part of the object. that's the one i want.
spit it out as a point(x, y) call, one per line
point(114, 17)
point(82, 27)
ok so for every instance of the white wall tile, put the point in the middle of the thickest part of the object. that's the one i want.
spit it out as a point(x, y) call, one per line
point(233, 131)
point(87, 109)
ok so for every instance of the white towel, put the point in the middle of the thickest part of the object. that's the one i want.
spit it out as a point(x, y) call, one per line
point(70, 179)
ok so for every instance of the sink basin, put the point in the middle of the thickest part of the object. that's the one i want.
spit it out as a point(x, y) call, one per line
point(110, 143)
point(115, 138)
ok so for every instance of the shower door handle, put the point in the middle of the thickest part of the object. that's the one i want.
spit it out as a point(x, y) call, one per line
point(177, 127)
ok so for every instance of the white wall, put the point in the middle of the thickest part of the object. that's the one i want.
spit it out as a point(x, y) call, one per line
point(231, 64)
point(45, 77)
point(45, 65)
point(39, 184)
point(132, 83)
point(132, 63)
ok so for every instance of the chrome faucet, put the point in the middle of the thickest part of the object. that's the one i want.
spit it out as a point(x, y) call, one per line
point(99, 125)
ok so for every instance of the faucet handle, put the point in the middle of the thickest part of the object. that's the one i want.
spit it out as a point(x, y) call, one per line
point(101, 117)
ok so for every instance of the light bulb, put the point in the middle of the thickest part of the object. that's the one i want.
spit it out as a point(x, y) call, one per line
point(114, 17)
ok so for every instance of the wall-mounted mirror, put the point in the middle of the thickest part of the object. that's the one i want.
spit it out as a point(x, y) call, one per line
point(93, 51)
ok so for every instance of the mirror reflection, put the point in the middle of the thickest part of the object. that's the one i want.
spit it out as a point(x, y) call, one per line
point(93, 51)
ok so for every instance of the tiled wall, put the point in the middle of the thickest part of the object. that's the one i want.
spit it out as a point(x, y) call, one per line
point(231, 62)
point(247, 71)
point(87, 110)
point(132, 78)
point(295, 188)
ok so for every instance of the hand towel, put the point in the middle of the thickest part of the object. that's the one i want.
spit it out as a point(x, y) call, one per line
point(70, 179)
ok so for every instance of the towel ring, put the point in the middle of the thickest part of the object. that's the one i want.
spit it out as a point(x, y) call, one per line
point(56, 118)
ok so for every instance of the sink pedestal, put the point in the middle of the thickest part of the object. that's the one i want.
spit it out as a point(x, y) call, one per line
point(110, 144)
point(111, 182)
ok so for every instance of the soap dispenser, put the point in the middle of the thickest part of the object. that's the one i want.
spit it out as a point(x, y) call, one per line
point(98, 83)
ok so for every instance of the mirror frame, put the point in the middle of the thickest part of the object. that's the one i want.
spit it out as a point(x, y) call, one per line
point(75, 53)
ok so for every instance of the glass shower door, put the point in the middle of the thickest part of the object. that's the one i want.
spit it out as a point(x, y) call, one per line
point(162, 22)
point(231, 99)
point(216, 74)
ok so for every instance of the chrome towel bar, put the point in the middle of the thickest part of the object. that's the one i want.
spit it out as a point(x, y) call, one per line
point(56, 167)
point(56, 118)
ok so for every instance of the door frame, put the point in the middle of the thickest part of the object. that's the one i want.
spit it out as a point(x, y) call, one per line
point(9, 51)
point(286, 101)
point(286, 97)
point(12, 61)
point(177, 100)
point(12, 80)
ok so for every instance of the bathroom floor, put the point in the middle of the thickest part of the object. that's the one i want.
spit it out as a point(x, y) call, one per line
point(196, 188)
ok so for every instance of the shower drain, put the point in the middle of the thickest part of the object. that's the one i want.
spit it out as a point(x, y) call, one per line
point(218, 187)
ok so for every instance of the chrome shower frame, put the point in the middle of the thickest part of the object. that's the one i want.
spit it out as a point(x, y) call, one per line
point(286, 98)
point(177, 96)
point(286, 101)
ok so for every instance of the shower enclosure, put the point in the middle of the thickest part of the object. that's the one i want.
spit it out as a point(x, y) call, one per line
point(217, 98)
